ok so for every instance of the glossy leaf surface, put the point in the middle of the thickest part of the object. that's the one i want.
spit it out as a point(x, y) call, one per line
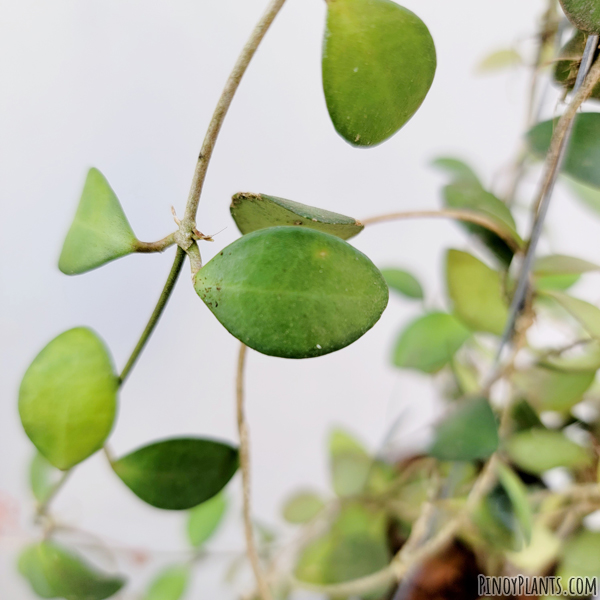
point(180, 473)
point(205, 519)
point(403, 282)
point(68, 398)
point(54, 572)
point(252, 212)
point(293, 292)
point(378, 65)
point(476, 293)
point(468, 433)
point(583, 155)
point(429, 343)
point(100, 231)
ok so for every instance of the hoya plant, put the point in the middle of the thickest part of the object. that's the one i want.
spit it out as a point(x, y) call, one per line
point(479, 499)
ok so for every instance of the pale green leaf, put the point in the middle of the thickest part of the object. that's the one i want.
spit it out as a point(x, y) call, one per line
point(560, 264)
point(500, 60)
point(68, 398)
point(588, 195)
point(458, 169)
point(403, 282)
point(43, 477)
point(378, 65)
point(170, 584)
point(293, 292)
point(302, 507)
point(350, 464)
point(204, 519)
point(585, 313)
point(581, 558)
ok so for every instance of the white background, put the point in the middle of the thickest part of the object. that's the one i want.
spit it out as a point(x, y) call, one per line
point(129, 87)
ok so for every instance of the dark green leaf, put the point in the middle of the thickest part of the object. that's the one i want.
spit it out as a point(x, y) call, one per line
point(252, 212)
point(180, 473)
point(100, 231)
point(476, 292)
point(582, 161)
point(539, 450)
point(378, 65)
point(68, 398)
point(569, 59)
point(429, 343)
point(517, 492)
point(302, 507)
point(54, 572)
point(524, 417)
point(584, 14)
point(205, 518)
point(293, 292)
point(470, 432)
point(403, 282)
point(42, 477)
point(170, 584)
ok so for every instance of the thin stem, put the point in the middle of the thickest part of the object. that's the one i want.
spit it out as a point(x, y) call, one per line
point(458, 215)
point(158, 310)
point(221, 111)
point(263, 587)
point(160, 246)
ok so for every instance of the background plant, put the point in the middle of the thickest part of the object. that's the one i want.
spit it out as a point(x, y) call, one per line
point(462, 261)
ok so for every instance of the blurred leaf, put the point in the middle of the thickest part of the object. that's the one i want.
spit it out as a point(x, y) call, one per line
point(569, 59)
point(581, 556)
point(549, 388)
point(403, 282)
point(43, 477)
point(540, 554)
point(350, 464)
point(587, 314)
point(302, 507)
point(54, 572)
point(583, 14)
point(470, 432)
point(588, 195)
point(429, 343)
point(252, 212)
point(170, 584)
point(524, 417)
point(555, 282)
point(560, 264)
point(539, 450)
point(459, 170)
point(500, 60)
point(68, 398)
point(378, 65)
point(205, 518)
point(100, 231)
point(466, 376)
point(583, 155)
point(587, 359)
point(293, 292)
point(476, 293)
point(180, 473)
point(517, 492)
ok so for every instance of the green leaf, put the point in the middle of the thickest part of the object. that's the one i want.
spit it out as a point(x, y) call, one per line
point(68, 398)
point(470, 432)
point(585, 359)
point(252, 212)
point(205, 518)
point(460, 171)
point(170, 584)
point(43, 477)
point(100, 231)
point(350, 464)
point(589, 196)
point(551, 388)
point(517, 492)
point(54, 572)
point(569, 59)
point(476, 292)
point(180, 473)
point(293, 292)
point(302, 507)
point(581, 557)
point(378, 65)
point(429, 343)
point(587, 314)
point(539, 450)
point(500, 60)
point(583, 155)
point(555, 282)
point(403, 282)
point(524, 417)
point(560, 264)
point(540, 554)
point(584, 14)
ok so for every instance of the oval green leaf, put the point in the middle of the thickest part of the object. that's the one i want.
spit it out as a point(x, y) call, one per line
point(43, 477)
point(539, 450)
point(476, 292)
point(584, 14)
point(582, 160)
point(54, 572)
point(170, 584)
point(378, 65)
point(180, 473)
point(349, 462)
point(429, 343)
point(293, 292)
point(68, 398)
point(581, 556)
point(585, 313)
point(403, 282)
point(560, 264)
point(252, 212)
point(205, 519)
point(302, 507)
point(100, 231)
point(470, 432)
